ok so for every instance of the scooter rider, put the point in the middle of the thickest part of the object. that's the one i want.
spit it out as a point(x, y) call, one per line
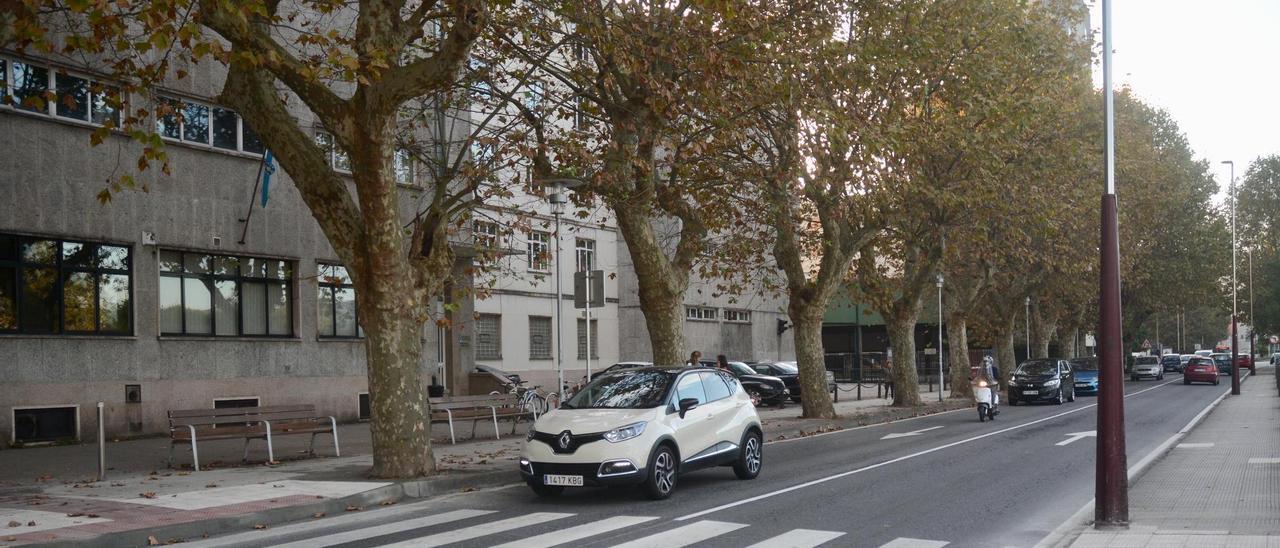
point(992, 375)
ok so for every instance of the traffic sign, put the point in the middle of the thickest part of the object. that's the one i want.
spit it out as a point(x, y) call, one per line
point(580, 292)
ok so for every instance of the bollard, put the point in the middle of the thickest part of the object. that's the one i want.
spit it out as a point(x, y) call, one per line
point(859, 390)
point(102, 444)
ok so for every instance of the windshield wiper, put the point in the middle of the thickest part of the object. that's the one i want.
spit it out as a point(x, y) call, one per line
point(567, 406)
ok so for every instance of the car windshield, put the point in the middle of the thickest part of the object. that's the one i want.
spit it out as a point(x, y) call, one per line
point(1145, 360)
point(785, 368)
point(1084, 364)
point(1171, 358)
point(1037, 367)
point(739, 369)
point(623, 390)
point(1200, 361)
point(1222, 358)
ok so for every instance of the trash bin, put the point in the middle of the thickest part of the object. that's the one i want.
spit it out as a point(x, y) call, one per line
point(435, 391)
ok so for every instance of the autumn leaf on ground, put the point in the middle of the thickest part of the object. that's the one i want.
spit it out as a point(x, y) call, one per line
point(15, 524)
point(148, 495)
point(352, 508)
point(44, 477)
point(74, 515)
point(211, 485)
point(31, 523)
point(386, 503)
point(91, 515)
point(259, 526)
point(153, 541)
point(318, 515)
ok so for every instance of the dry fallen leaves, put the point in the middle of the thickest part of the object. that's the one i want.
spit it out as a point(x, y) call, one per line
point(353, 508)
point(259, 526)
point(74, 515)
point(153, 541)
point(386, 503)
point(91, 515)
point(15, 524)
point(148, 495)
point(318, 515)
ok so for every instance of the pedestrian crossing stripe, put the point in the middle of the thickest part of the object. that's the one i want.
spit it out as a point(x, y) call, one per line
point(325, 533)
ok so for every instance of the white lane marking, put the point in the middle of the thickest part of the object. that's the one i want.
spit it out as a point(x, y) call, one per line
point(312, 527)
point(904, 542)
point(1194, 445)
point(1264, 460)
point(799, 538)
point(1077, 436)
point(864, 427)
point(484, 529)
point(379, 530)
point(563, 536)
point(684, 536)
point(912, 433)
point(898, 459)
point(1057, 537)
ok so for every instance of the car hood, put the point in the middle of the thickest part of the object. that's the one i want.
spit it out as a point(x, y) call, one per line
point(1034, 378)
point(1086, 375)
point(589, 421)
point(763, 379)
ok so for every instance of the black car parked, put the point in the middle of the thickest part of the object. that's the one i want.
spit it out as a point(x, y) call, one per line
point(790, 375)
point(763, 389)
point(1171, 362)
point(1044, 379)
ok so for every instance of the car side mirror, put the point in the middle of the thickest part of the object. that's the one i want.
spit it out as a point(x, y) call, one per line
point(687, 404)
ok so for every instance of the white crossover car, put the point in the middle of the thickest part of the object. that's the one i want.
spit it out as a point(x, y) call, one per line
point(644, 426)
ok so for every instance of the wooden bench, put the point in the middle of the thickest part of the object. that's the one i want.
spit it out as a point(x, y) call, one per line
point(478, 408)
point(186, 426)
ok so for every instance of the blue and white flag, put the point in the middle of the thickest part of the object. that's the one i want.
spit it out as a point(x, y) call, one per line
point(268, 167)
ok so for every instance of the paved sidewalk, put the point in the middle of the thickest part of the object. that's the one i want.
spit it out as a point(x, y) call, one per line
point(1218, 487)
point(48, 494)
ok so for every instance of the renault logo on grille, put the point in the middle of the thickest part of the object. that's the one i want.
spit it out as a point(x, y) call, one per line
point(564, 439)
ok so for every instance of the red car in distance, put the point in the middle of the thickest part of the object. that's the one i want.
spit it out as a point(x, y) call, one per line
point(1245, 361)
point(1200, 369)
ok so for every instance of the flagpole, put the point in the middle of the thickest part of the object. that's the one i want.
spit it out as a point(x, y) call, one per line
point(257, 180)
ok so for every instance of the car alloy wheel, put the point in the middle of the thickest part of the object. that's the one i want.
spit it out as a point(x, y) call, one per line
point(1072, 395)
point(662, 474)
point(1059, 399)
point(750, 457)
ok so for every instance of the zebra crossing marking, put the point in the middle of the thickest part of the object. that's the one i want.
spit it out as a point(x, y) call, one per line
point(799, 538)
point(563, 536)
point(386, 529)
point(904, 542)
point(481, 530)
point(683, 536)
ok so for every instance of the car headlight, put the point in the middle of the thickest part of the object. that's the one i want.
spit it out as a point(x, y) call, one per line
point(529, 436)
point(624, 433)
point(1052, 383)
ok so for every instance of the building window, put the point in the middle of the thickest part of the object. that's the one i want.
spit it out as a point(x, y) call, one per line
point(580, 119)
point(488, 337)
point(737, 316)
point(701, 313)
point(539, 251)
point(62, 286)
point(201, 124)
point(73, 97)
point(586, 254)
point(338, 158)
point(405, 167)
point(486, 234)
point(582, 339)
point(338, 314)
point(539, 338)
point(225, 296)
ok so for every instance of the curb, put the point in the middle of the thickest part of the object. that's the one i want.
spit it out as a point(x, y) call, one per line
point(1068, 531)
point(395, 492)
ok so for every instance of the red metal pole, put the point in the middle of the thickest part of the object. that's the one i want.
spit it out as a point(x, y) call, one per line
point(1111, 508)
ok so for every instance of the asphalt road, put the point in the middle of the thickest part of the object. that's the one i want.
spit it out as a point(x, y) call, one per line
point(957, 482)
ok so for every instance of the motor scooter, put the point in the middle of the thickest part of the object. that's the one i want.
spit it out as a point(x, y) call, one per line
point(988, 399)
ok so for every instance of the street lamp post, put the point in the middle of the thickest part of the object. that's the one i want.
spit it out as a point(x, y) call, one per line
point(1253, 323)
point(941, 382)
point(558, 198)
point(1235, 369)
point(1111, 487)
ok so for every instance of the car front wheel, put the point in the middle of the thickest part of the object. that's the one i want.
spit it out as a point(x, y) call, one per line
point(750, 456)
point(1072, 395)
point(662, 473)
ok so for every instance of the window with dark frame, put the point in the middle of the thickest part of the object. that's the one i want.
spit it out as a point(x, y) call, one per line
point(586, 254)
point(52, 286)
point(339, 314)
point(539, 251)
point(539, 338)
point(582, 339)
point(225, 296)
point(53, 91)
point(488, 337)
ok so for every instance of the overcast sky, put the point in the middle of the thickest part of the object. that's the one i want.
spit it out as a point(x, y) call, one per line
point(1214, 65)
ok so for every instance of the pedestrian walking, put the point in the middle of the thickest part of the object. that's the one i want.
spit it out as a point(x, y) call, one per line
point(888, 379)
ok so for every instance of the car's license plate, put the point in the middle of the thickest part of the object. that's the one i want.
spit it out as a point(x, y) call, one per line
point(558, 479)
point(1081, 385)
point(1030, 392)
